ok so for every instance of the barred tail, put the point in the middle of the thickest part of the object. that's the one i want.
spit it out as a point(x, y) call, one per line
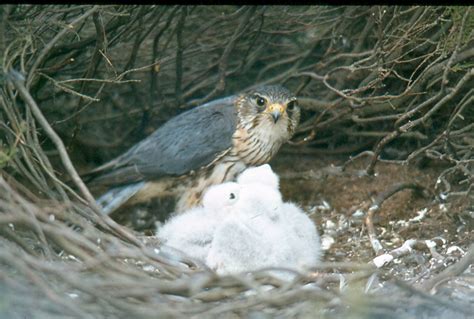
point(117, 196)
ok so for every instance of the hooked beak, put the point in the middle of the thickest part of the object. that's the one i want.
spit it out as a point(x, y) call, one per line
point(276, 110)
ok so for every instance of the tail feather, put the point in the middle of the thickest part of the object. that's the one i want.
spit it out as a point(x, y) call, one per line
point(117, 196)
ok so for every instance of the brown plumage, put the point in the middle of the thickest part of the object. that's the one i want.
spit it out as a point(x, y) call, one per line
point(207, 145)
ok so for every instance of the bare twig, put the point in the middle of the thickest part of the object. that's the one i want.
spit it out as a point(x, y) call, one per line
point(46, 50)
point(452, 271)
point(360, 74)
point(18, 80)
point(375, 207)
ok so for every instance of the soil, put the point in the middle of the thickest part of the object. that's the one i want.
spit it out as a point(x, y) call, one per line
point(338, 200)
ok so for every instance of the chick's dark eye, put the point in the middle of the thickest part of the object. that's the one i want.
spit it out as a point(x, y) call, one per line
point(232, 196)
point(291, 106)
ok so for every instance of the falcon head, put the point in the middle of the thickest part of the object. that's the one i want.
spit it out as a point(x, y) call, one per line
point(271, 108)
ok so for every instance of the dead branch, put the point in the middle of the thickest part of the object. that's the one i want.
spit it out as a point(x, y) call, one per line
point(18, 80)
point(376, 206)
point(450, 272)
point(369, 81)
point(46, 50)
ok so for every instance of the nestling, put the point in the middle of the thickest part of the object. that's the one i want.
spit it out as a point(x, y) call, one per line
point(261, 231)
point(192, 231)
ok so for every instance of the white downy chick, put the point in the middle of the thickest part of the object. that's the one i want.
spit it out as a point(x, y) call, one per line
point(261, 194)
point(261, 174)
point(251, 236)
point(247, 239)
point(302, 236)
point(262, 231)
point(219, 198)
point(192, 231)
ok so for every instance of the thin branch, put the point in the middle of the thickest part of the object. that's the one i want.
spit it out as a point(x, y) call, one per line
point(376, 206)
point(46, 50)
point(18, 80)
point(450, 272)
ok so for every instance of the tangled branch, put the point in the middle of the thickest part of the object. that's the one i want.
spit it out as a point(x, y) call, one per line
point(391, 82)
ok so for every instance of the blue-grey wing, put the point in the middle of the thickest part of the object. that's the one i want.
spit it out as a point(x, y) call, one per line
point(187, 142)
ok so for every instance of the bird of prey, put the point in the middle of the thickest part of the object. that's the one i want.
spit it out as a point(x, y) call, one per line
point(207, 145)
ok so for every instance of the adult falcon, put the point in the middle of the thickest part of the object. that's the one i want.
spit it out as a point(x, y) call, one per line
point(207, 145)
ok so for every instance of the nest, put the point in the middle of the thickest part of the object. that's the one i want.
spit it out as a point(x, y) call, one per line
point(82, 83)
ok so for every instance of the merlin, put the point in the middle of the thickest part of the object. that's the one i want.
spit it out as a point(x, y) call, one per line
point(207, 145)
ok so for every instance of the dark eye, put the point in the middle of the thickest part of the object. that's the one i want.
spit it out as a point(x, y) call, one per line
point(291, 105)
point(232, 196)
point(260, 100)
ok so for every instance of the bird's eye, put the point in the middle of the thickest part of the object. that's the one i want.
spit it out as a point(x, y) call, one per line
point(291, 105)
point(260, 100)
point(231, 196)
